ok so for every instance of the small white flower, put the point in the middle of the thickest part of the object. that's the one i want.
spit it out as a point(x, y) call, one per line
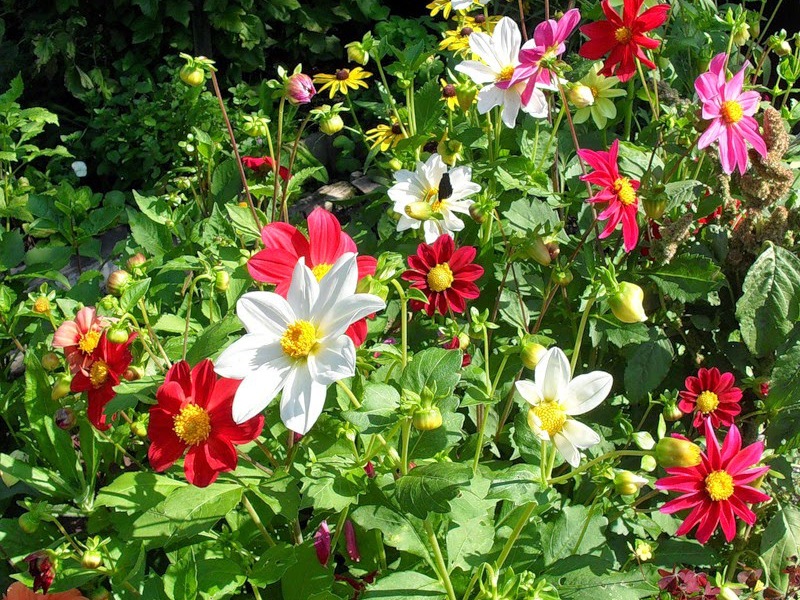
point(296, 344)
point(446, 193)
point(555, 397)
point(499, 54)
point(465, 4)
point(79, 167)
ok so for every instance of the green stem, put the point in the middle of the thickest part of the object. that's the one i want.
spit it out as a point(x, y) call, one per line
point(441, 567)
point(405, 436)
point(152, 333)
point(512, 539)
point(579, 338)
point(629, 111)
point(591, 463)
point(257, 520)
point(276, 163)
point(189, 310)
point(404, 320)
point(292, 156)
point(393, 456)
point(392, 103)
point(552, 137)
point(339, 528)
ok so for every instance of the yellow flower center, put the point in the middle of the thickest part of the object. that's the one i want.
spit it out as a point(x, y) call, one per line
point(707, 402)
point(623, 35)
point(89, 341)
point(551, 415)
point(321, 270)
point(192, 425)
point(430, 194)
point(440, 277)
point(594, 91)
point(299, 339)
point(719, 485)
point(731, 112)
point(624, 191)
point(41, 305)
point(98, 374)
point(505, 74)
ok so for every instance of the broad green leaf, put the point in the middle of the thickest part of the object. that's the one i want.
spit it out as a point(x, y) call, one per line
point(528, 218)
point(136, 492)
point(306, 577)
point(397, 586)
point(617, 333)
point(272, 564)
point(781, 540)
point(379, 409)
point(576, 530)
point(688, 277)
point(429, 488)
point(213, 340)
point(333, 483)
point(156, 208)
point(647, 366)
point(518, 483)
point(226, 181)
point(770, 302)
point(133, 293)
point(46, 481)
point(434, 367)
point(674, 551)
point(152, 236)
point(595, 578)
point(12, 249)
point(398, 531)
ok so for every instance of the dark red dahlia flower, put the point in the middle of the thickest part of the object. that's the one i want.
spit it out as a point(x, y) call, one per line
point(711, 394)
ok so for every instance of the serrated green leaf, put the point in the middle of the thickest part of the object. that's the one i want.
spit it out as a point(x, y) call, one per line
point(379, 409)
point(688, 277)
point(781, 540)
point(429, 488)
point(133, 293)
point(433, 367)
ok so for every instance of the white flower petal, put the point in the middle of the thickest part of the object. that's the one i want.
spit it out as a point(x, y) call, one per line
point(477, 71)
point(303, 291)
point(552, 373)
point(433, 171)
point(511, 105)
point(506, 40)
point(567, 449)
point(264, 313)
point(433, 230)
point(259, 388)
point(529, 391)
point(247, 354)
point(537, 105)
point(302, 401)
point(489, 97)
point(340, 282)
point(580, 435)
point(481, 44)
point(346, 312)
point(406, 222)
point(337, 360)
point(450, 222)
point(585, 392)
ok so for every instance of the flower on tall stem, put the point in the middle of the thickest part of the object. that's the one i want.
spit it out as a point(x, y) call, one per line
point(499, 57)
point(623, 37)
point(431, 196)
point(716, 490)
point(79, 338)
point(730, 111)
point(555, 396)
point(193, 416)
point(108, 364)
point(618, 192)
point(445, 274)
point(299, 88)
point(457, 40)
point(711, 395)
point(342, 81)
point(296, 344)
point(284, 245)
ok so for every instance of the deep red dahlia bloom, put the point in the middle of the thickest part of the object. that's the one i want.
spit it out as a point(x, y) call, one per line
point(194, 415)
point(711, 394)
point(622, 37)
point(716, 490)
point(108, 363)
point(284, 245)
point(618, 191)
point(446, 275)
point(41, 569)
point(264, 165)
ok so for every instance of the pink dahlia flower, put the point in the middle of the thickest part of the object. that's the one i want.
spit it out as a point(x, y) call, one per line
point(300, 89)
point(80, 337)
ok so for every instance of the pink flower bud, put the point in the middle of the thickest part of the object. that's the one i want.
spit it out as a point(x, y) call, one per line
point(322, 543)
point(300, 89)
point(369, 469)
point(350, 540)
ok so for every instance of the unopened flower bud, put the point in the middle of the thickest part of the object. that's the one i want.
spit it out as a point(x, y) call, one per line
point(350, 541)
point(450, 151)
point(677, 452)
point(627, 483)
point(61, 387)
point(421, 211)
point(40, 567)
point(50, 361)
point(466, 96)
point(478, 213)
point(369, 469)
point(133, 373)
point(109, 303)
point(28, 522)
point(135, 262)
point(726, 592)
point(117, 335)
point(580, 95)
point(539, 252)
point(41, 305)
point(779, 46)
point(654, 204)
point(671, 412)
point(356, 53)
point(117, 282)
point(427, 419)
point(562, 277)
point(531, 354)
point(222, 281)
point(300, 89)
point(463, 341)
point(322, 543)
point(331, 124)
point(91, 559)
point(255, 125)
point(626, 303)
point(395, 164)
point(139, 429)
point(740, 34)
point(65, 418)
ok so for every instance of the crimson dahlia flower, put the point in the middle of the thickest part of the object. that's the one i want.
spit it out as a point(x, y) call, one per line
point(194, 416)
point(716, 490)
point(622, 37)
point(264, 165)
point(711, 394)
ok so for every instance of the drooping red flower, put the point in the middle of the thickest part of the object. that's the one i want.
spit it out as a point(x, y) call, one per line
point(711, 394)
point(284, 245)
point(80, 337)
point(716, 490)
point(264, 165)
point(40, 567)
point(108, 364)
point(622, 37)
point(618, 191)
point(446, 275)
point(194, 415)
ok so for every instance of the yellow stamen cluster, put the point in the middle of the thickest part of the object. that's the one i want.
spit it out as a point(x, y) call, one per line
point(551, 415)
point(321, 270)
point(192, 425)
point(89, 341)
point(41, 305)
point(719, 485)
point(707, 402)
point(505, 74)
point(440, 277)
point(299, 340)
point(624, 191)
point(98, 374)
point(623, 35)
point(731, 112)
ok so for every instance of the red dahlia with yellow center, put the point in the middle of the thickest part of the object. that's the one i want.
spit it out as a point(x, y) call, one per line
point(711, 394)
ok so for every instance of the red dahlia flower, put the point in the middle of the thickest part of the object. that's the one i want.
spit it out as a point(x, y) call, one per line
point(18, 591)
point(108, 363)
point(619, 192)
point(284, 245)
point(446, 275)
point(711, 394)
point(623, 37)
point(194, 412)
point(716, 489)
point(80, 337)
point(264, 166)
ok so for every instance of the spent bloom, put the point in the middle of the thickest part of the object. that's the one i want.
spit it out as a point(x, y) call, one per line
point(193, 416)
point(730, 111)
point(342, 81)
point(499, 57)
point(623, 37)
point(80, 337)
point(716, 490)
point(711, 395)
point(296, 344)
point(445, 275)
point(438, 192)
point(618, 192)
point(300, 89)
point(555, 397)
point(40, 567)
point(602, 107)
point(284, 245)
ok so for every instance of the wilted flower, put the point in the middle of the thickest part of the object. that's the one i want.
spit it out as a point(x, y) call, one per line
point(300, 88)
point(41, 568)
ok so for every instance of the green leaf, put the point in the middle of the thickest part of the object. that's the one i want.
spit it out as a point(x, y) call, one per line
point(595, 578)
point(12, 249)
point(379, 409)
point(398, 585)
point(770, 302)
point(647, 366)
point(156, 208)
point(784, 382)
point(675, 551)
point(518, 483)
point(429, 488)
point(46, 481)
point(226, 181)
point(334, 483)
point(433, 367)
point(688, 277)
point(617, 333)
point(576, 530)
point(272, 564)
point(152, 236)
point(530, 217)
point(212, 341)
point(136, 492)
point(398, 531)
point(781, 540)
point(133, 293)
